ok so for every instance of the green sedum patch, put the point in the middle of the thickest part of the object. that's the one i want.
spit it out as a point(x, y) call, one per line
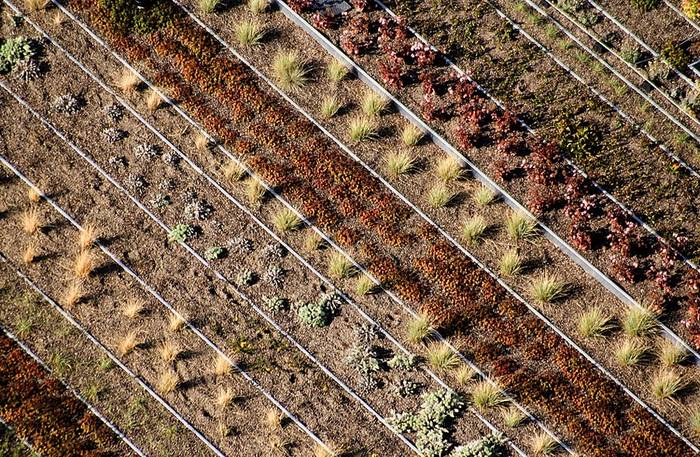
point(14, 51)
point(127, 18)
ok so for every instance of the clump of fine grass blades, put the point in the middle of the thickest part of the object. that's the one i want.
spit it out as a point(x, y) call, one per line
point(176, 323)
point(336, 71)
point(441, 357)
point(486, 395)
point(639, 322)
point(483, 196)
point(258, 6)
point(547, 289)
point(694, 420)
point(439, 196)
point(87, 236)
point(464, 375)
point(127, 344)
point(31, 221)
point(542, 444)
point(168, 382)
point(35, 5)
point(133, 308)
point(84, 264)
point(254, 191)
point(411, 135)
point(520, 227)
point(286, 220)
point(513, 417)
point(73, 294)
point(594, 323)
point(373, 104)
point(249, 32)
point(339, 266)
point(168, 352)
point(399, 163)
point(128, 81)
point(208, 6)
point(667, 384)
point(30, 253)
point(313, 241)
point(448, 170)
point(419, 329)
point(233, 171)
point(290, 70)
point(671, 354)
point(222, 366)
point(631, 352)
point(362, 128)
point(365, 285)
point(510, 263)
point(330, 106)
point(474, 228)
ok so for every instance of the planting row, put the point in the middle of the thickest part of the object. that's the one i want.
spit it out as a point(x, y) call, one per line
point(45, 414)
point(469, 213)
point(352, 178)
point(565, 200)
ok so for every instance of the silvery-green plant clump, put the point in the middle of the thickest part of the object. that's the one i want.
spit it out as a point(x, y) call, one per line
point(364, 359)
point(402, 361)
point(112, 134)
point(437, 410)
point(118, 161)
point(240, 245)
point(490, 446)
point(68, 104)
point(214, 252)
point(137, 183)
point(170, 158)
point(366, 333)
point(189, 195)
point(146, 151)
point(275, 275)
point(14, 51)
point(27, 70)
point(321, 312)
point(181, 233)
point(274, 251)
point(114, 112)
point(166, 184)
point(406, 388)
point(331, 301)
point(275, 303)
point(160, 201)
point(245, 277)
point(199, 210)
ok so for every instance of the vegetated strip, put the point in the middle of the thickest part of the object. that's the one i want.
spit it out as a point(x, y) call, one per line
point(681, 14)
point(546, 169)
point(289, 248)
point(34, 403)
point(410, 287)
point(219, 276)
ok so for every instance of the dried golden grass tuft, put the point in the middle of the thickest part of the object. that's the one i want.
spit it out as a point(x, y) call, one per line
point(31, 221)
point(133, 307)
point(87, 236)
point(84, 264)
point(33, 195)
point(128, 81)
point(201, 142)
point(225, 397)
point(35, 5)
point(127, 344)
point(222, 366)
point(153, 101)
point(168, 382)
point(168, 351)
point(73, 294)
point(176, 323)
point(273, 418)
point(233, 171)
point(58, 18)
point(30, 253)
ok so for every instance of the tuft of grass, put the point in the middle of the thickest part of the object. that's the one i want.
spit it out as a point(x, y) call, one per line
point(483, 196)
point(639, 322)
point(73, 294)
point(441, 357)
point(258, 6)
point(630, 352)
point(464, 375)
point(133, 308)
point(201, 142)
point(254, 191)
point(208, 6)
point(520, 227)
point(249, 33)
point(336, 71)
point(399, 163)
point(290, 70)
point(168, 352)
point(439, 196)
point(286, 220)
point(362, 128)
point(513, 417)
point(127, 344)
point(473, 229)
point(448, 170)
point(30, 253)
point(84, 264)
point(33, 195)
point(671, 354)
point(594, 323)
point(35, 5)
point(153, 101)
point(313, 241)
point(23, 328)
point(510, 263)
point(486, 395)
point(225, 397)
point(58, 18)
point(547, 289)
point(87, 237)
point(339, 266)
point(419, 329)
point(128, 81)
point(365, 285)
point(175, 323)
point(542, 444)
point(667, 384)
point(273, 419)
point(411, 135)
point(330, 106)
point(31, 221)
point(694, 420)
point(233, 171)
point(373, 104)
point(168, 382)
point(222, 366)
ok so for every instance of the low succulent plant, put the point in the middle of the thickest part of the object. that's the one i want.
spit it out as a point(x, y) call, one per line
point(214, 253)
point(275, 303)
point(146, 151)
point(403, 362)
point(68, 104)
point(181, 233)
point(113, 135)
point(246, 277)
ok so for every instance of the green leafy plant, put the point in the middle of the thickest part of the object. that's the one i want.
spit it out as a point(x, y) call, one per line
point(181, 233)
point(214, 252)
point(645, 5)
point(490, 446)
point(14, 51)
point(319, 313)
point(691, 8)
point(676, 56)
point(246, 277)
point(402, 362)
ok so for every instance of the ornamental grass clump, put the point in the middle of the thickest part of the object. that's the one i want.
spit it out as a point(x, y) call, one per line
point(373, 104)
point(473, 229)
point(336, 71)
point(31, 221)
point(258, 6)
point(330, 106)
point(87, 236)
point(233, 171)
point(667, 384)
point(520, 227)
point(639, 322)
point(286, 220)
point(671, 354)
point(362, 128)
point(513, 417)
point(399, 163)
point(631, 352)
point(448, 170)
point(510, 263)
point(84, 264)
point(486, 395)
point(365, 285)
point(439, 196)
point(419, 329)
point(547, 289)
point(254, 191)
point(542, 444)
point(483, 196)
point(594, 323)
point(339, 266)
point(290, 70)
point(208, 6)
point(411, 135)
point(440, 356)
point(249, 33)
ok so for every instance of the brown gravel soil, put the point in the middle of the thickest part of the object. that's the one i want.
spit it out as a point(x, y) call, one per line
point(88, 370)
point(538, 256)
point(378, 305)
